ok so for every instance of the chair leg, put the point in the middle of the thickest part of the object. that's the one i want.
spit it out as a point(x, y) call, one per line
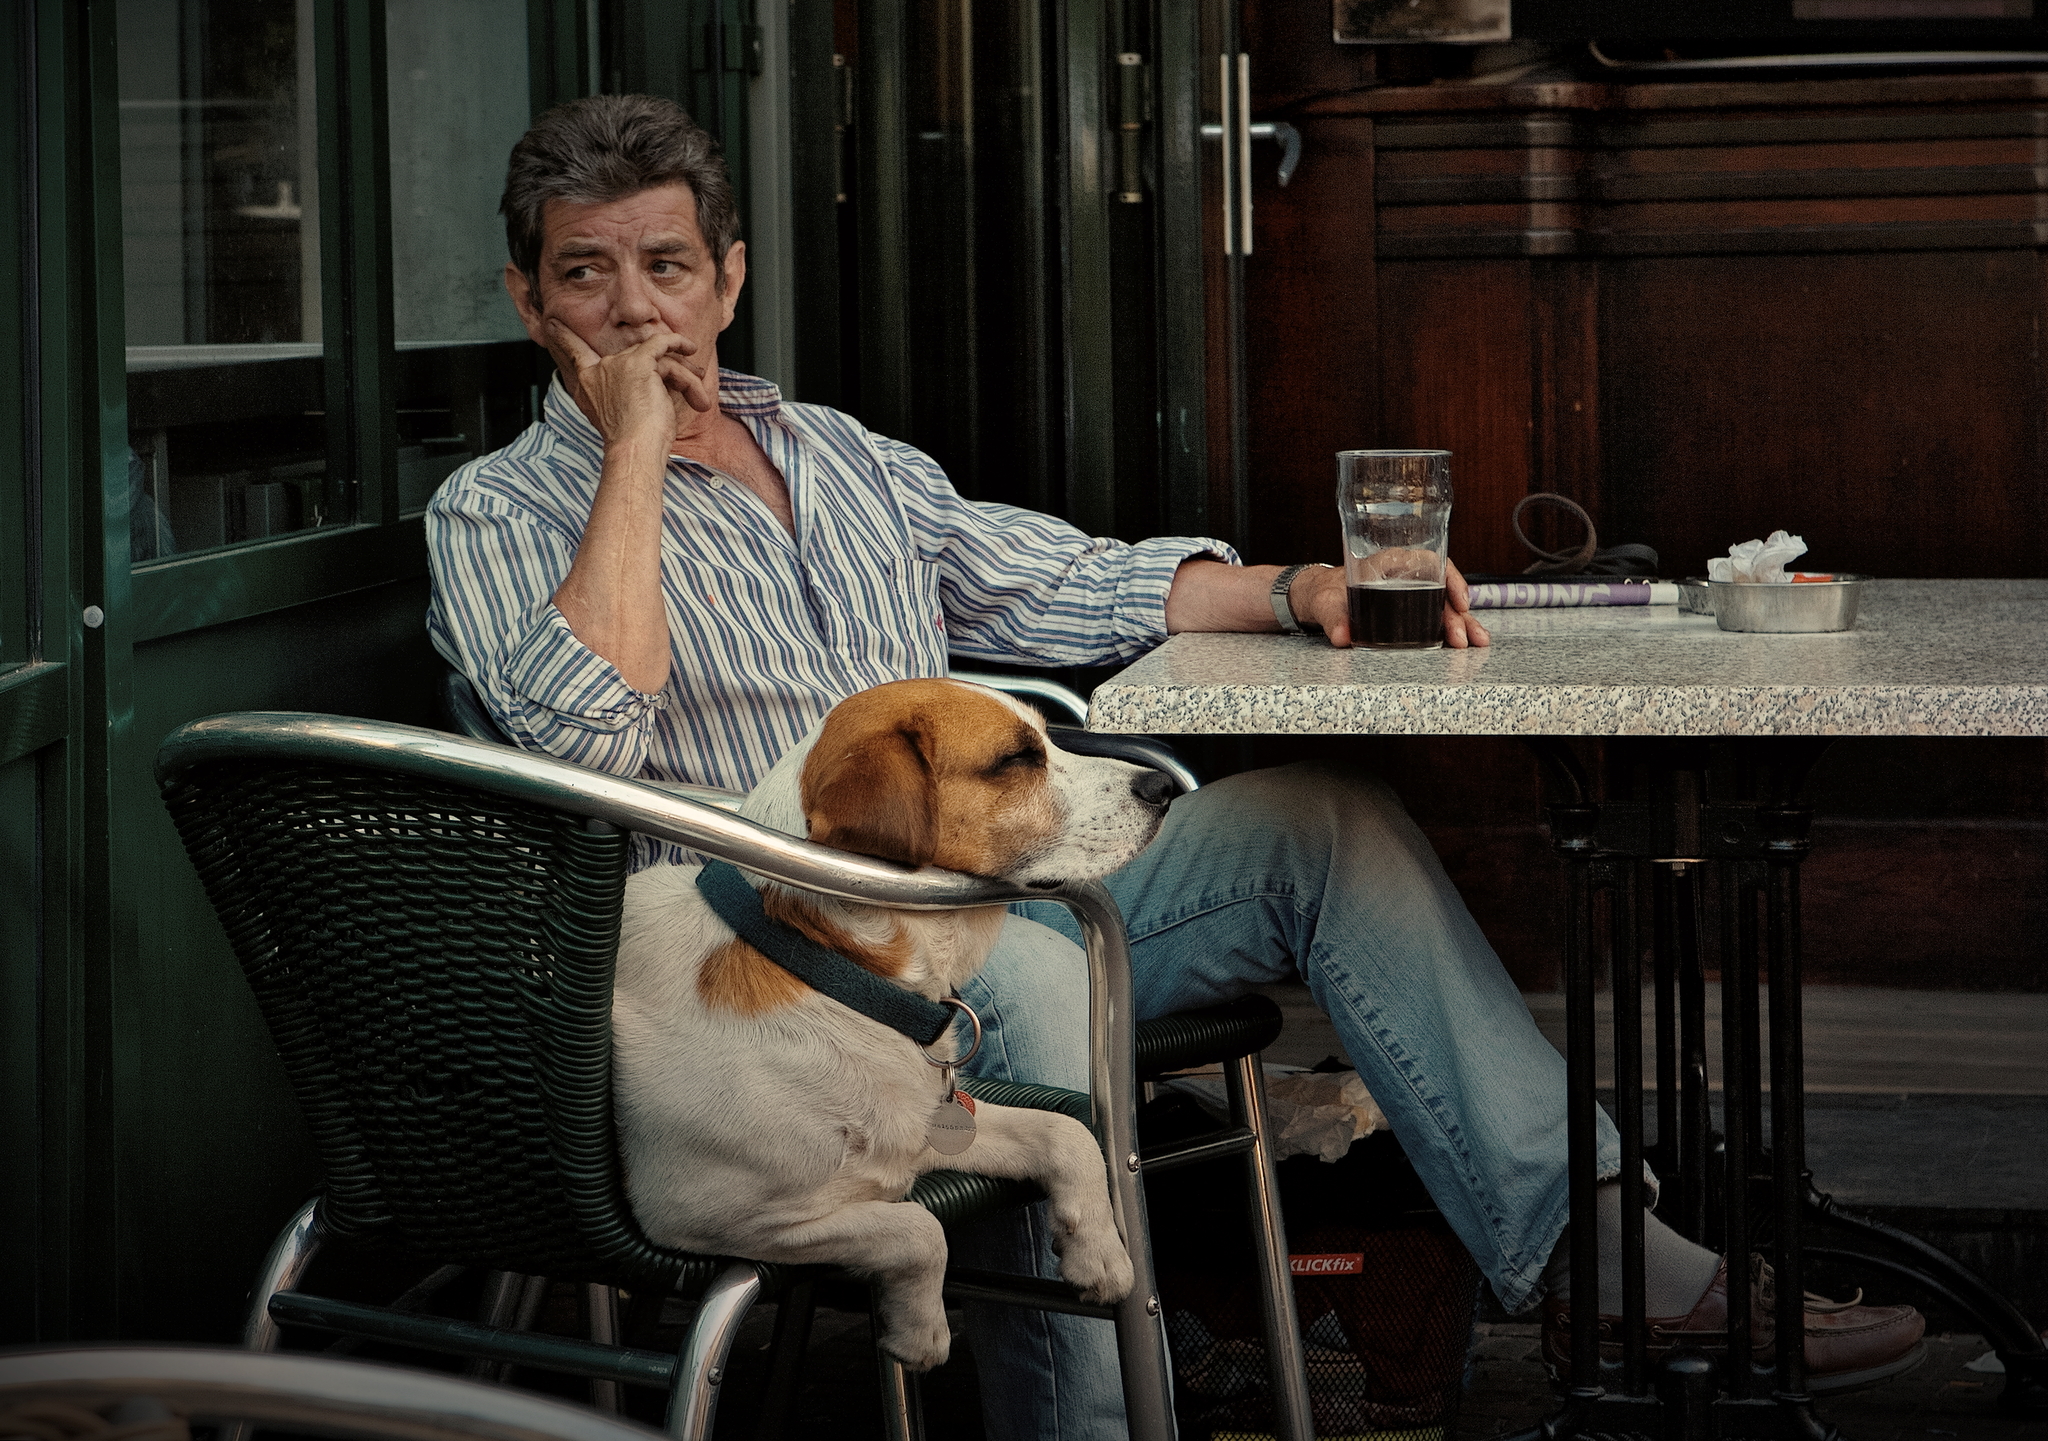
point(1294, 1418)
point(601, 1302)
point(693, 1403)
point(507, 1298)
point(786, 1358)
point(902, 1403)
point(290, 1254)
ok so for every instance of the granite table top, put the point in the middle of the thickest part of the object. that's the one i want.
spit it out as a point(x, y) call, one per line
point(1926, 657)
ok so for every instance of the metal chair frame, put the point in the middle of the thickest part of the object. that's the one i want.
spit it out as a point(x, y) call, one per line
point(1232, 1035)
point(1163, 1047)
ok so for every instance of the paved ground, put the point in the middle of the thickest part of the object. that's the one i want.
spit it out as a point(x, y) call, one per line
point(1858, 1039)
point(1914, 1098)
point(1942, 1399)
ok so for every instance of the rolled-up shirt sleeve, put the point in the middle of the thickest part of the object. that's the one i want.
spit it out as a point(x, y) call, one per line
point(1022, 587)
point(495, 569)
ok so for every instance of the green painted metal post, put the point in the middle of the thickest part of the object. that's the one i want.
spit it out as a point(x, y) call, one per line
point(1086, 171)
point(355, 259)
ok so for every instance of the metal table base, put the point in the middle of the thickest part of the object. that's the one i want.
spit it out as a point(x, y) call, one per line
point(1729, 811)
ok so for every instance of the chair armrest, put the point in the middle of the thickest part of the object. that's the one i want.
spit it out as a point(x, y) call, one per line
point(1215, 1033)
point(464, 711)
point(1063, 699)
point(1138, 750)
point(724, 799)
point(1030, 1097)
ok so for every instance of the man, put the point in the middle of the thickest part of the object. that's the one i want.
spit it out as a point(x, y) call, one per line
point(675, 574)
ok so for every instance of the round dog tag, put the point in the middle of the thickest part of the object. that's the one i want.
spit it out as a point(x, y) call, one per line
point(951, 1129)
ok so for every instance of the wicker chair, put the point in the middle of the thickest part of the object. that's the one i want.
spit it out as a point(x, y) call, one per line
point(429, 924)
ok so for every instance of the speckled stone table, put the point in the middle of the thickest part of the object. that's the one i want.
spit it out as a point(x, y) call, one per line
point(1941, 658)
point(1927, 657)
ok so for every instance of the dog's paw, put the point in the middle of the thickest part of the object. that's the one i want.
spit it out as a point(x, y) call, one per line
point(919, 1340)
point(1094, 1261)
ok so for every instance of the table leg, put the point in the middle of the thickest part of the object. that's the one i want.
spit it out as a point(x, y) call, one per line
point(1582, 1134)
point(1739, 1087)
point(1789, 1180)
point(1627, 989)
point(1758, 846)
point(1665, 968)
point(1695, 1122)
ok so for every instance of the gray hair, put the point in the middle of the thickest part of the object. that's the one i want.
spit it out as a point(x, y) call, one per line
point(606, 147)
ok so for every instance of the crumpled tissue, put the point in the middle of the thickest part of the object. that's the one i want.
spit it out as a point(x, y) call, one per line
point(1759, 560)
point(1313, 1113)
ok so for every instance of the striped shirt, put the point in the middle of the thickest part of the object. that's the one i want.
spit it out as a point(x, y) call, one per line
point(890, 569)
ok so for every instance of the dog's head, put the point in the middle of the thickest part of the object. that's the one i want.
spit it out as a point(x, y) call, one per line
point(945, 773)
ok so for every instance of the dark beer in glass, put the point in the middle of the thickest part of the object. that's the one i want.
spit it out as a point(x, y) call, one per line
point(1396, 510)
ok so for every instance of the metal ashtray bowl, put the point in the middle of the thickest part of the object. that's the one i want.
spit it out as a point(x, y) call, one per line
point(1801, 607)
point(1693, 596)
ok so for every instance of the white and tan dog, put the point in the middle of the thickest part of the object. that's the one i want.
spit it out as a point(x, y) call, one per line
point(760, 1118)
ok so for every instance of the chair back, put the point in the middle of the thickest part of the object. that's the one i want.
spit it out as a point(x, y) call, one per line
point(435, 966)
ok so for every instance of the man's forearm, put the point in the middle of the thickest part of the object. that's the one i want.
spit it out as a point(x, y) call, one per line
point(612, 595)
point(1209, 595)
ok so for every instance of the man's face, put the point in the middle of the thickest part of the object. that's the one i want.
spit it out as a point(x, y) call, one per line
point(622, 271)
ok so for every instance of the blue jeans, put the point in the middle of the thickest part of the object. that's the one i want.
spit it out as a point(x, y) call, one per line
point(1310, 873)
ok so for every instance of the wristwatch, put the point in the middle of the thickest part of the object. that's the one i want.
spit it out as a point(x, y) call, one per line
point(1283, 608)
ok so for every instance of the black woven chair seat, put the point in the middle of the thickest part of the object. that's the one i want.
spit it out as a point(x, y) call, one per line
point(1200, 1038)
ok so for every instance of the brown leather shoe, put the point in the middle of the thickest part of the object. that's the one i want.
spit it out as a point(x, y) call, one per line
point(1848, 1345)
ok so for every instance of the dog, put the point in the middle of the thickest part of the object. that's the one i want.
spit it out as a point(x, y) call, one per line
point(758, 1117)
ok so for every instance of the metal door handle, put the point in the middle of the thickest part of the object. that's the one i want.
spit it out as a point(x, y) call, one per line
point(1226, 96)
point(1236, 130)
point(1279, 131)
point(1244, 151)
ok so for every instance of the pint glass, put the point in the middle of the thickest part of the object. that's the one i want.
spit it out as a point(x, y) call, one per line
point(1396, 510)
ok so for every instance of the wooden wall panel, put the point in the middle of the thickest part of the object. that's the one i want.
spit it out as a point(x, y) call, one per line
point(1455, 348)
point(1887, 407)
point(1311, 337)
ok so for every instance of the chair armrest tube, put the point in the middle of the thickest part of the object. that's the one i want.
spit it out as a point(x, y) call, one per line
point(1138, 750)
point(1061, 698)
point(285, 736)
point(468, 1338)
point(1035, 1098)
point(965, 1284)
point(1235, 1028)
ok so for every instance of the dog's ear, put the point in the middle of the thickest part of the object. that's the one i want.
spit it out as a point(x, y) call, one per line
point(875, 796)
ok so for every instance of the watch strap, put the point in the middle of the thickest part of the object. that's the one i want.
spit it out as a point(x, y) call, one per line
point(1283, 606)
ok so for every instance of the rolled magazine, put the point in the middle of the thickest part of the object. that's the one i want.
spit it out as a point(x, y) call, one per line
point(1547, 594)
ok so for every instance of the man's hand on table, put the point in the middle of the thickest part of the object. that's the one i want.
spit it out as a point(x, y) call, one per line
point(1209, 595)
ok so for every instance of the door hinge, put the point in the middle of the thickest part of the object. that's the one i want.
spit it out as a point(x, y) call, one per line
point(741, 50)
point(842, 122)
point(1134, 110)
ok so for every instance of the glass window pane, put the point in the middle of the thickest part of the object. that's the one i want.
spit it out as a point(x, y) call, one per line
point(466, 371)
point(220, 224)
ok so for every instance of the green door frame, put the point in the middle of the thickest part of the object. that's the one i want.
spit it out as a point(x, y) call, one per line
point(86, 857)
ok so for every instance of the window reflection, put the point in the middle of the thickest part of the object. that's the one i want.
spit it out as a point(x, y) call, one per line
point(219, 182)
point(466, 373)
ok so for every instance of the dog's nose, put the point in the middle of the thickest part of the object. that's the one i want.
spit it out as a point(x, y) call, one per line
point(1154, 788)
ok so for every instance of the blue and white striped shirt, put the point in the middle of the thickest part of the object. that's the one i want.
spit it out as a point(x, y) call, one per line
point(889, 570)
